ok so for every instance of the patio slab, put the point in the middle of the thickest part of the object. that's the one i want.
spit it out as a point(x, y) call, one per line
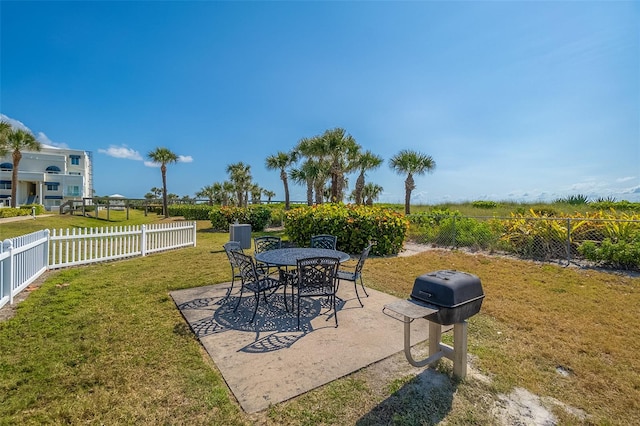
point(270, 361)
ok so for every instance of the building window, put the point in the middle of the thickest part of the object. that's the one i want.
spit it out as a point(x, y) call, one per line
point(5, 184)
point(6, 167)
point(73, 191)
point(75, 160)
point(52, 186)
point(53, 170)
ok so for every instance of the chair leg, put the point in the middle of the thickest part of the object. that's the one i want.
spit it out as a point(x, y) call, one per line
point(363, 287)
point(355, 286)
point(229, 290)
point(335, 311)
point(255, 310)
point(239, 298)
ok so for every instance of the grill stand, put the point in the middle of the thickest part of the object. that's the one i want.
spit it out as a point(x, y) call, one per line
point(410, 311)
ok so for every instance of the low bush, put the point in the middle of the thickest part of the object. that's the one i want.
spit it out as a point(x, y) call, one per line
point(191, 211)
point(257, 216)
point(353, 225)
point(620, 254)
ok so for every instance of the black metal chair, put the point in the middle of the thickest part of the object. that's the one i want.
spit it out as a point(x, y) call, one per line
point(356, 274)
point(316, 277)
point(266, 243)
point(253, 281)
point(324, 241)
point(235, 272)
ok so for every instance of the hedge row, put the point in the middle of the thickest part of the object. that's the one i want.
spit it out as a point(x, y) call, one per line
point(354, 226)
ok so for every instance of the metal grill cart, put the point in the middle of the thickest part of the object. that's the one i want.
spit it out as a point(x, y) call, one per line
point(442, 298)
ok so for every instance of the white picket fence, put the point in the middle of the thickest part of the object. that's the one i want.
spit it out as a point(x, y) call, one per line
point(25, 258)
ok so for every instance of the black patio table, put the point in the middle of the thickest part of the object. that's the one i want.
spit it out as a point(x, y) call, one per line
point(290, 256)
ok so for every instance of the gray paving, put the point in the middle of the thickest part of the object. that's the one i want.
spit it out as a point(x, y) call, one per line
point(270, 361)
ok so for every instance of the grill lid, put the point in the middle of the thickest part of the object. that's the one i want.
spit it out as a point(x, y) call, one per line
point(447, 288)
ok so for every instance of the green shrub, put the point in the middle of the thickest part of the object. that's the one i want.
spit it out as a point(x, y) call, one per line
point(353, 225)
point(621, 254)
point(257, 216)
point(191, 211)
point(481, 204)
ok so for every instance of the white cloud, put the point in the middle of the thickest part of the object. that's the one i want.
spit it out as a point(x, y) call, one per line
point(625, 179)
point(15, 123)
point(151, 164)
point(121, 152)
point(40, 136)
point(44, 139)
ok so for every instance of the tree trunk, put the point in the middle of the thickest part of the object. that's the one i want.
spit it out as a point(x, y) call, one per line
point(17, 156)
point(165, 211)
point(409, 184)
point(359, 188)
point(283, 176)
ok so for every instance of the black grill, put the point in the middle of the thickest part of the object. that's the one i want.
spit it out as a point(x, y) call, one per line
point(456, 295)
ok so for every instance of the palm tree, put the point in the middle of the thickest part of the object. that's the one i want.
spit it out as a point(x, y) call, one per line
point(240, 175)
point(207, 192)
point(411, 162)
point(341, 149)
point(269, 194)
point(163, 156)
point(364, 162)
point(370, 193)
point(316, 167)
point(256, 194)
point(5, 129)
point(281, 161)
point(157, 192)
point(15, 142)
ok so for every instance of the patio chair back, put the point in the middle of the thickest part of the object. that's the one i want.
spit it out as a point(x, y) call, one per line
point(266, 243)
point(324, 241)
point(252, 281)
point(317, 277)
point(235, 272)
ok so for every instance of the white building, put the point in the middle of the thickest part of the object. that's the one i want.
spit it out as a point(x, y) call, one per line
point(49, 177)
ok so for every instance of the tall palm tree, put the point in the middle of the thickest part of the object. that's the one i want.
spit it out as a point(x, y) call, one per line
point(341, 149)
point(364, 162)
point(163, 156)
point(281, 161)
point(17, 141)
point(411, 162)
point(240, 176)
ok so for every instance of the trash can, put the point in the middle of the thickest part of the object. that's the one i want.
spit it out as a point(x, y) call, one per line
point(241, 232)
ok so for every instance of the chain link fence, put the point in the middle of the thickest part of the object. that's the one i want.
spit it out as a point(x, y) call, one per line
point(613, 243)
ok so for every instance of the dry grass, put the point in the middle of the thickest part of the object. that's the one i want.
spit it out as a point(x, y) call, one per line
point(539, 318)
point(105, 344)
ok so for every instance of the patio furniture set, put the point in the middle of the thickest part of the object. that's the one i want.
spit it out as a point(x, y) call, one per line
point(308, 272)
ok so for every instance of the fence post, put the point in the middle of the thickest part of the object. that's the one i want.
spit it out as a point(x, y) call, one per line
point(194, 232)
point(568, 240)
point(143, 240)
point(455, 233)
point(46, 248)
point(7, 271)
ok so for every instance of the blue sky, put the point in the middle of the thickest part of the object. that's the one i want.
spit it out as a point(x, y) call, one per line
point(521, 101)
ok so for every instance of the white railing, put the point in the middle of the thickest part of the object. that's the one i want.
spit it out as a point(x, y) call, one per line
point(22, 260)
point(25, 258)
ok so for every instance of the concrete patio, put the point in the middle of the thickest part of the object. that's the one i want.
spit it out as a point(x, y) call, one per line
point(270, 361)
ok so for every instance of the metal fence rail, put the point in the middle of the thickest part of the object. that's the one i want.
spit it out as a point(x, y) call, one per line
point(23, 259)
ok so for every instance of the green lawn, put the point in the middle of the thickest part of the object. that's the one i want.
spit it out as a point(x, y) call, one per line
point(105, 344)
